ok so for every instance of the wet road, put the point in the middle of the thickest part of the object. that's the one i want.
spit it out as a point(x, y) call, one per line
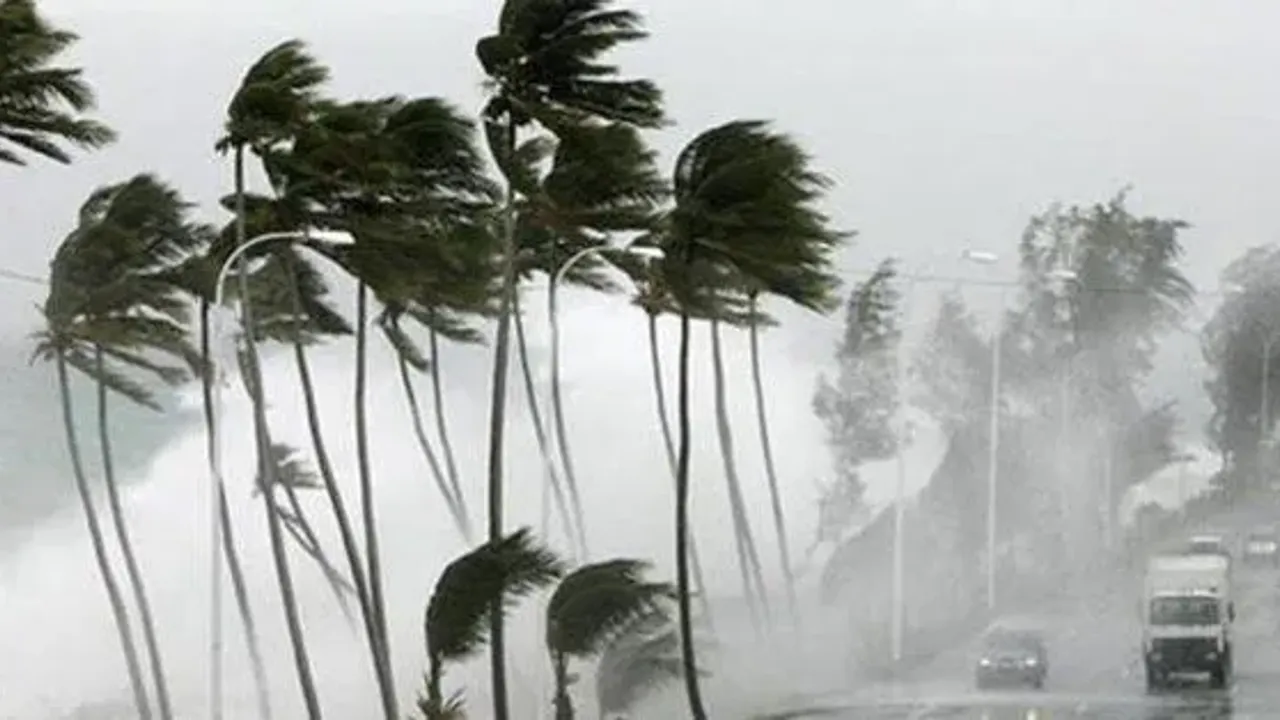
point(1095, 672)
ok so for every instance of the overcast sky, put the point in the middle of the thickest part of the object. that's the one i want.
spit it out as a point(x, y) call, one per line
point(945, 125)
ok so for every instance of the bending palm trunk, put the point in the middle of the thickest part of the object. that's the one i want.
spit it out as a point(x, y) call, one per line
point(140, 699)
point(688, 658)
point(771, 474)
point(561, 436)
point(539, 430)
point(442, 426)
point(267, 469)
point(748, 558)
point(660, 395)
point(134, 574)
point(437, 472)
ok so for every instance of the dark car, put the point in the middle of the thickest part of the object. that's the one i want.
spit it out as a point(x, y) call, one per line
point(1262, 549)
point(1012, 656)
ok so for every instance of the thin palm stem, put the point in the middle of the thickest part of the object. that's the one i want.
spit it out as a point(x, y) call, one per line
point(771, 473)
point(141, 702)
point(343, 519)
point(551, 477)
point(377, 603)
point(688, 656)
point(132, 571)
point(664, 422)
point(561, 435)
point(433, 462)
point(748, 558)
point(442, 427)
point(305, 535)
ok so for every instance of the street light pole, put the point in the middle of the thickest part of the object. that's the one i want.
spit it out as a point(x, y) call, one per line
point(993, 432)
point(217, 486)
point(900, 490)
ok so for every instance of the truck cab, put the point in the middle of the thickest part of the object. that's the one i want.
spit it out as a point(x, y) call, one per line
point(1187, 619)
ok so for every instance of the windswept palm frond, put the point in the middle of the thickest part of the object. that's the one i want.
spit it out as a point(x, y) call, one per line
point(494, 574)
point(42, 105)
point(274, 97)
point(593, 603)
point(641, 658)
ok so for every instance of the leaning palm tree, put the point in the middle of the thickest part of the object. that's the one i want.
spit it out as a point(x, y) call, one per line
point(275, 97)
point(743, 209)
point(491, 578)
point(641, 657)
point(113, 309)
point(42, 105)
point(589, 609)
point(545, 64)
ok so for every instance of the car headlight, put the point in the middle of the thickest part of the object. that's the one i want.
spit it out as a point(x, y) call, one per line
point(1031, 662)
point(985, 662)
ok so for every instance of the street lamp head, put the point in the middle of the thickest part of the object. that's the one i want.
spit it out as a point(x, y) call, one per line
point(332, 237)
point(980, 256)
point(647, 252)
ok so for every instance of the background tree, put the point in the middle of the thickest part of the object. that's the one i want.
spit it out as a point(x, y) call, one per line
point(954, 366)
point(1240, 346)
point(42, 105)
point(546, 66)
point(857, 407)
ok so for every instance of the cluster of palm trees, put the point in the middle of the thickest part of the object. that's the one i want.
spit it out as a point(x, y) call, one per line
point(437, 239)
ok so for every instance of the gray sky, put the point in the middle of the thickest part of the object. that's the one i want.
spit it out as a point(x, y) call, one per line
point(945, 125)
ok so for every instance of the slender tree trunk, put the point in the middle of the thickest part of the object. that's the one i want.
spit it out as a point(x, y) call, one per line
point(771, 473)
point(561, 435)
point(497, 427)
point(552, 479)
point(433, 462)
point(688, 658)
point(442, 425)
point(563, 703)
point(748, 558)
point(266, 468)
point(660, 395)
point(234, 569)
point(132, 664)
point(377, 603)
point(132, 571)
point(346, 533)
point(305, 535)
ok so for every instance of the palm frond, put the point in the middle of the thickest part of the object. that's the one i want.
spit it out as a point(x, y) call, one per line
point(274, 98)
point(41, 106)
point(640, 659)
point(452, 708)
point(494, 574)
point(595, 602)
point(290, 469)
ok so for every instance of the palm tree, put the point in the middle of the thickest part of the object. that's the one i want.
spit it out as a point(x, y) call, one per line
point(42, 106)
point(743, 209)
point(276, 95)
point(545, 65)
point(397, 175)
point(111, 298)
point(495, 575)
point(588, 610)
point(641, 657)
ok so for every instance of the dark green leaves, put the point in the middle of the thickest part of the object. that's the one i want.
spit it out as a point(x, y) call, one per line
point(496, 573)
point(41, 106)
point(596, 602)
point(274, 98)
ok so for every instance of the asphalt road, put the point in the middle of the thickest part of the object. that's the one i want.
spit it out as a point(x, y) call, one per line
point(1095, 672)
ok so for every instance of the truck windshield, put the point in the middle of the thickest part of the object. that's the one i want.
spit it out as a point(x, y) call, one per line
point(1184, 611)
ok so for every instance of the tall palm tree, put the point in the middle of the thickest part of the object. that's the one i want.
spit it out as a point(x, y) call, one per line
point(276, 96)
point(42, 105)
point(641, 657)
point(545, 64)
point(111, 298)
point(743, 208)
point(458, 618)
point(753, 585)
point(588, 610)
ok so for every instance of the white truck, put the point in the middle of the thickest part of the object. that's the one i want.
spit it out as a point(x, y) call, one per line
point(1187, 612)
